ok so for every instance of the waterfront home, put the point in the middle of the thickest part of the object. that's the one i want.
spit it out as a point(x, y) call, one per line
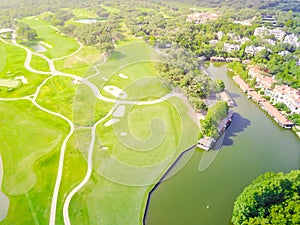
point(256, 97)
point(243, 85)
point(231, 59)
point(278, 117)
point(265, 83)
point(224, 96)
point(217, 59)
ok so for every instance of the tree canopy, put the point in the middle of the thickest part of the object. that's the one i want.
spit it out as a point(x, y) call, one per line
point(270, 199)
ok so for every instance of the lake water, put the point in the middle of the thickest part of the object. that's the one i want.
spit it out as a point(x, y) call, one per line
point(87, 21)
point(253, 144)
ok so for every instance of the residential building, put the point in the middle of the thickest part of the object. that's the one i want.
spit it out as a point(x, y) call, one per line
point(292, 39)
point(287, 95)
point(253, 50)
point(202, 17)
point(231, 47)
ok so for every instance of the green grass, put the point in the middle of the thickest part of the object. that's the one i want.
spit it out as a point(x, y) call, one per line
point(13, 66)
point(81, 63)
point(84, 14)
point(101, 198)
point(143, 82)
point(39, 63)
point(111, 9)
point(123, 56)
point(29, 180)
point(61, 45)
point(57, 95)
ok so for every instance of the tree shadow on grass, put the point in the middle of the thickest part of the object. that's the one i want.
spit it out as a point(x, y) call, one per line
point(238, 125)
point(116, 55)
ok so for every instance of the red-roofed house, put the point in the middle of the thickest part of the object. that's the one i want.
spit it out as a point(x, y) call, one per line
point(278, 117)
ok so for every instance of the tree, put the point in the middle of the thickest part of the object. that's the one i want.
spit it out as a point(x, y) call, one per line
point(270, 199)
point(220, 86)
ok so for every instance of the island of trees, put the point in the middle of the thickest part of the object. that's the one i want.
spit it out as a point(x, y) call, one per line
point(270, 199)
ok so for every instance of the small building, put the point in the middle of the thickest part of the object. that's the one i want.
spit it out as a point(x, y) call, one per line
point(231, 47)
point(231, 59)
point(243, 85)
point(206, 143)
point(217, 59)
point(278, 117)
point(255, 96)
point(224, 96)
point(202, 17)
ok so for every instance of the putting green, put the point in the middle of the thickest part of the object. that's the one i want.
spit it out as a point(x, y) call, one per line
point(61, 45)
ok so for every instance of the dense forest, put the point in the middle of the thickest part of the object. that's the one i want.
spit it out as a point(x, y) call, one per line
point(269, 199)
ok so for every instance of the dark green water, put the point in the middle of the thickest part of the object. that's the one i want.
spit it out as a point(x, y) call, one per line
point(253, 144)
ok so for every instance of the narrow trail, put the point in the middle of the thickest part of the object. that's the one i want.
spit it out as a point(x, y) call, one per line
point(33, 98)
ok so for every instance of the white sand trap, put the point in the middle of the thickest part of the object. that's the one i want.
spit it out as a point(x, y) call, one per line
point(115, 91)
point(119, 112)
point(22, 79)
point(104, 78)
point(39, 48)
point(123, 76)
point(76, 81)
point(4, 200)
point(104, 148)
point(111, 122)
point(123, 134)
point(9, 83)
point(1, 172)
point(45, 44)
point(4, 205)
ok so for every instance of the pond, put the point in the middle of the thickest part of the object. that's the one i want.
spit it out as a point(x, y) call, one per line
point(253, 144)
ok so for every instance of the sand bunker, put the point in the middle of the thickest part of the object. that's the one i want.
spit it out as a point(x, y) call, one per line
point(123, 76)
point(39, 48)
point(115, 91)
point(4, 205)
point(123, 134)
point(22, 79)
point(119, 112)
point(111, 122)
point(9, 83)
point(45, 44)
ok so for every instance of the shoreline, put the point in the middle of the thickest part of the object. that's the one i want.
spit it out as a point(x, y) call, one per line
point(166, 173)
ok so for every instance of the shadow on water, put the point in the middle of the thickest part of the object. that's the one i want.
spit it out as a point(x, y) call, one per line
point(238, 125)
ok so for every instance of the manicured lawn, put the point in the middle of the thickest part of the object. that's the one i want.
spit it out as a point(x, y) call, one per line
point(154, 144)
point(60, 45)
point(102, 199)
point(142, 82)
point(111, 9)
point(123, 56)
point(80, 64)
point(13, 66)
point(30, 139)
point(39, 63)
point(84, 14)
point(57, 95)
